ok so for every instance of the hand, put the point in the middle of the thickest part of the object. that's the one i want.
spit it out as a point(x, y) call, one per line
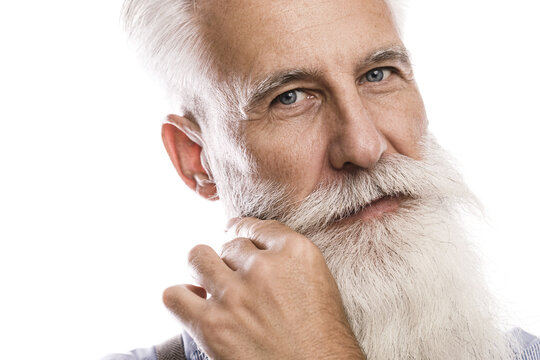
point(272, 297)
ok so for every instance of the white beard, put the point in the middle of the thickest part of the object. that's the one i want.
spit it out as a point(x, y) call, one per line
point(411, 289)
point(409, 281)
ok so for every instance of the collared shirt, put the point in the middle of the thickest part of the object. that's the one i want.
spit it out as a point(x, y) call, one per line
point(187, 349)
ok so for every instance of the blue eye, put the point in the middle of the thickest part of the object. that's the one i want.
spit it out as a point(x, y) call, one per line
point(377, 75)
point(287, 98)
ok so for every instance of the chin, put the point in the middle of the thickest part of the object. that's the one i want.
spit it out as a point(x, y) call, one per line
point(411, 288)
point(392, 238)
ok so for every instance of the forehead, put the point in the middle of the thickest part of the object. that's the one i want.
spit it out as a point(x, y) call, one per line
point(254, 37)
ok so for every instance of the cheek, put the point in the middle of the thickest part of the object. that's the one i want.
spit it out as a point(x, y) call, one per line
point(290, 154)
point(402, 120)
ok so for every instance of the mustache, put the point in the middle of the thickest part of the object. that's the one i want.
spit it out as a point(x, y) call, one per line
point(431, 178)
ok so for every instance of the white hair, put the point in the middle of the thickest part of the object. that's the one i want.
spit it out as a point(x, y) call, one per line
point(410, 280)
point(169, 39)
point(171, 42)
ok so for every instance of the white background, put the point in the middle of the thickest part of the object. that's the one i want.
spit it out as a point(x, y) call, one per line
point(95, 223)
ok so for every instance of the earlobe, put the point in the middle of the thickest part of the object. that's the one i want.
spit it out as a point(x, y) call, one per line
point(183, 142)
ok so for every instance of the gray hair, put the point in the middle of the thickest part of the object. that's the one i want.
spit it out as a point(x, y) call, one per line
point(170, 40)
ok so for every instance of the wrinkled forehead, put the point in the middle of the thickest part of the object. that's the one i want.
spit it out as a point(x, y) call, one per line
point(254, 37)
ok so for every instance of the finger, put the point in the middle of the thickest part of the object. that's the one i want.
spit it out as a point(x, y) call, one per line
point(186, 302)
point(237, 252)
point(197, 290)
point(208, 269)
point(265, 234)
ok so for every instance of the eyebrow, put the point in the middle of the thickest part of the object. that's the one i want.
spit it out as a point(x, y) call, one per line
point(268, 85)
point(261, 89)
point(394, 53)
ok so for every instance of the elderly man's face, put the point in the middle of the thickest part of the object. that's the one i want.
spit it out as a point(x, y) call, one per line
point(339, 92)
point(332, 121)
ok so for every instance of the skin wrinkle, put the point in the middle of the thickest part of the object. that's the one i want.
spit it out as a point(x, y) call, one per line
point(389, 271)
point(395, 52)
point(313, 26)
point(289, 167)
point(336, 153)
point(214, 18)
point(261, 89)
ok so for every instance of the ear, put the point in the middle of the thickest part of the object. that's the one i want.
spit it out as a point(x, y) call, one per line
point(182, 139)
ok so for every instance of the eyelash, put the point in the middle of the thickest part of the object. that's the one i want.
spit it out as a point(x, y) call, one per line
point(392, 70)
point(276, 99)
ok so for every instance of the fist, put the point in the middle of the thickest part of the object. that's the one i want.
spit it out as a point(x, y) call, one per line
point(271, 297)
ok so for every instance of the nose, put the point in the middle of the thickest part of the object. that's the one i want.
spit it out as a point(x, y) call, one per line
point(357, 139)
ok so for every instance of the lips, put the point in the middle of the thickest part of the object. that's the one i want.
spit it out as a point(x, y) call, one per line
point(375, 209)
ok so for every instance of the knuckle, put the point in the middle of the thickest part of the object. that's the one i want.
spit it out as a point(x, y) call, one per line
point(302, 247)
point(250, 227)
point(233, 245)
point(266, 227)
point(226, 248)
point(271, 225)
point(200, 262)
point(197, 252)
point(245, 223)
point(253, 228)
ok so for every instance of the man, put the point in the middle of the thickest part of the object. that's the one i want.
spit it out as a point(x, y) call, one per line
point(303, 117)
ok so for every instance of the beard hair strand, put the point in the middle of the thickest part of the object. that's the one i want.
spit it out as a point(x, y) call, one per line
point(409, 280)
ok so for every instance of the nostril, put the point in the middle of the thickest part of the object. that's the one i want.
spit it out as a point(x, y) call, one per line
point(349, 166)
